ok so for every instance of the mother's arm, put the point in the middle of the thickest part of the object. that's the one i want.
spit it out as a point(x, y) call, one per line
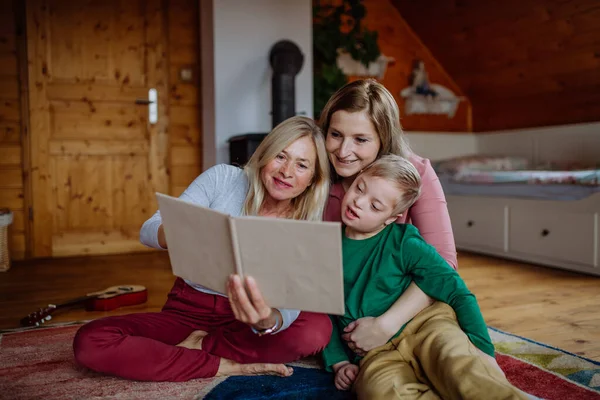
point(430, 215)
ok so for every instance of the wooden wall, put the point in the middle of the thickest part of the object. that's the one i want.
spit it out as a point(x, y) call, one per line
point(184, 108)
point(522, 63)
point(397, 39)
point(11, 149)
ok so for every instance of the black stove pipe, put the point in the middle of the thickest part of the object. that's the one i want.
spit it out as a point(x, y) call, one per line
point(286, 60)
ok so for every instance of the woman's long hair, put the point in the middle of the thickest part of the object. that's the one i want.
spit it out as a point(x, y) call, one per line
point(372, 97)
point(309, 205)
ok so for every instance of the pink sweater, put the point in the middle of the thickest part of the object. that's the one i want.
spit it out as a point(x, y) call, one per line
point(429, 213)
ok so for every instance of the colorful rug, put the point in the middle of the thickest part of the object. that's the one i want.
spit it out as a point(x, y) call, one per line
point(38, 363)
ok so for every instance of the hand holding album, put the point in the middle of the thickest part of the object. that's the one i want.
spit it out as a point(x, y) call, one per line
point(297, 264)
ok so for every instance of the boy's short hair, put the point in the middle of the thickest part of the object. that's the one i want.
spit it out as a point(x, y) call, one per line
point(399, 171)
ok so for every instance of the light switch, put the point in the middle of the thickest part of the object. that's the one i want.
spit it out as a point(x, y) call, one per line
point(186, 74)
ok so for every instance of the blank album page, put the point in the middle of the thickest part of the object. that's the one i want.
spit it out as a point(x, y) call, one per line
point(297, 264)
point(199, 242)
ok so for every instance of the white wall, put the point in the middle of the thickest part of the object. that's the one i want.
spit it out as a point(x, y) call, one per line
point(242, 34)
point(575, 142)
point(438, 146)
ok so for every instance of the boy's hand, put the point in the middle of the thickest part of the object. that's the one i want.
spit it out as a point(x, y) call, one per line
point(345, 374)
point(365, 334)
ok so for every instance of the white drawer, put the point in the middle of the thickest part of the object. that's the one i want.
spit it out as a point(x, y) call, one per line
point(477, 223)
point(559, 236)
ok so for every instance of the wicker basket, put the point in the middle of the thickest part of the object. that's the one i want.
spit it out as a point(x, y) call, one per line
point(6, 218)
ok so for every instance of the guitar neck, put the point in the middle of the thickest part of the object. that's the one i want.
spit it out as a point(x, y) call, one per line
point(73, 302)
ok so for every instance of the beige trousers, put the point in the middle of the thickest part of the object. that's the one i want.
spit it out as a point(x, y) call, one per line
point(431, 359)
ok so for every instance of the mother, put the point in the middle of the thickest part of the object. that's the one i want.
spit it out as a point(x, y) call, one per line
point(362, 123)
point(201, 333)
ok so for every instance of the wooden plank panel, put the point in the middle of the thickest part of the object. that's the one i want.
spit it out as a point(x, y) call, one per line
point(184, 155)
point(519, 49)
point(89, 205)
point(16, 241)
point(7, 41)
point(538, 69)
point(11, 198)
point(61, 193)
point(97, 148)
point(84, 115)
point(132, 204)
point(184, 115)
point(83, 243)
point(8, 64)
point(183, 94)
point(174, 77)
point(16, 245)
point(10, 132)
point(18, 224)
point(128, 51)
point(184, 175)
point(568, 85)
point(183, 21)
point(10, 155)
point(184, 32)
point(184, 126)
point(97, 42)
point(11, 178)
point(7, 23)
point(158, 73)
point(10, 110)
point(22, 219)
point(97, 120)
point(92, 93)
point(176, 191)
point(9, 88)
point(583, 39)
point(524, 112)
point(185, 135)
point(398, 40)
point(182, 53)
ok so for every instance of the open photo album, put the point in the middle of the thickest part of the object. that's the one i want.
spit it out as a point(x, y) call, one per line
point(297, 264)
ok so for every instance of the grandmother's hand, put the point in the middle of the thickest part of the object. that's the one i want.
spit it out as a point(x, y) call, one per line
point(249, 306)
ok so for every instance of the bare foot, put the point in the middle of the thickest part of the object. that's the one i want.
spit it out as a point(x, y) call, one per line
point(229, 367)
point(194, 341)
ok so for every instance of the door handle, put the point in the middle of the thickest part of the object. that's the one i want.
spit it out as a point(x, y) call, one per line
point(143, 102)
point(151, 102)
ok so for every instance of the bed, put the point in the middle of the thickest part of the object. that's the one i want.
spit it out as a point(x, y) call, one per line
point(544, 214)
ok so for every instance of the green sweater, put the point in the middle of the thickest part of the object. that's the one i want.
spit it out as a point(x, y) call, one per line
point(379, 269)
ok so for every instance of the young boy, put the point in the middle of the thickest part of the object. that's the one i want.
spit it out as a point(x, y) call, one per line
point(435, 354)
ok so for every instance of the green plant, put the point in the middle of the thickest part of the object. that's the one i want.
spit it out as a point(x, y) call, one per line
point(338, 27)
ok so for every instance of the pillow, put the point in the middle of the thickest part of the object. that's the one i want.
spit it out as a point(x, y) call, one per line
point(481, 163)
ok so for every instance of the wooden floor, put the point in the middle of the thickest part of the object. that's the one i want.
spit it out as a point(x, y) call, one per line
point(547, 305)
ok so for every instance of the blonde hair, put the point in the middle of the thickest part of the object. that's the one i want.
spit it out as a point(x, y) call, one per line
point(400, 172)
point(370, 96)
point(309, 205)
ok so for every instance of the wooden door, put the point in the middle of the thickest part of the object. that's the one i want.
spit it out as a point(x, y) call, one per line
point(96, 159)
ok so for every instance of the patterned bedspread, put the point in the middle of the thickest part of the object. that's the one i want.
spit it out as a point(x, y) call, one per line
point(493, 169)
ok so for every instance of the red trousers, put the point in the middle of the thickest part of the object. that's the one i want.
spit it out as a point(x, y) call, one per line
point(142, 346)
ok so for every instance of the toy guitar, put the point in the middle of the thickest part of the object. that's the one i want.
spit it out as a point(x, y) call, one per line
point(105, 300)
